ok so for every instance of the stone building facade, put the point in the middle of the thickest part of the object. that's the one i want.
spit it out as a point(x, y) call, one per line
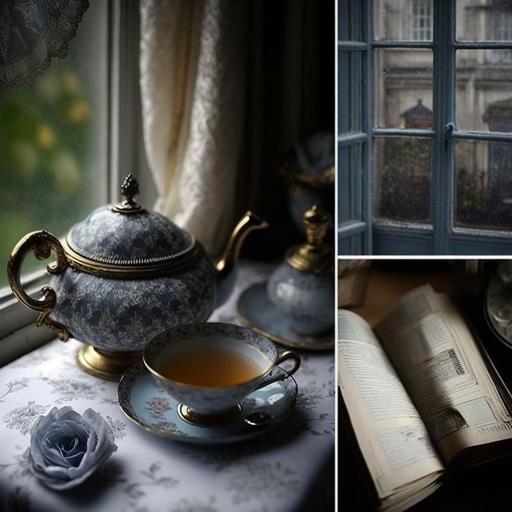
point(403, 85)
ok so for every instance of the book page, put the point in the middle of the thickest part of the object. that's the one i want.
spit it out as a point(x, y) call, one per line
point(442, 369)
point(390, 432)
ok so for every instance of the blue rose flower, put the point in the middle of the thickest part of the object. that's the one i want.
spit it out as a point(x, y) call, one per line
point(66, 448)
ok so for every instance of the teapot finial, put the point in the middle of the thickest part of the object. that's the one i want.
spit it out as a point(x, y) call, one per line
point(129, 189)
point(317, 222)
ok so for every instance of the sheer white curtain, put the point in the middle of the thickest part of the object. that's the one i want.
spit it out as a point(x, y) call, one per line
point(192, 86)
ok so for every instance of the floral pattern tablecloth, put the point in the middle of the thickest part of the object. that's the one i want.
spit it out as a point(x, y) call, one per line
point(289, 469)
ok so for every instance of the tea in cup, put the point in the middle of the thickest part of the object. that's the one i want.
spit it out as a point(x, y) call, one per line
point(211, 367)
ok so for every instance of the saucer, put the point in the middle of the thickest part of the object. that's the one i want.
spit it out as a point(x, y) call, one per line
point(149, 406)
point(258, 313)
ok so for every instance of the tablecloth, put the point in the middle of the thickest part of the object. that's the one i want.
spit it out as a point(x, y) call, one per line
point(289, 469)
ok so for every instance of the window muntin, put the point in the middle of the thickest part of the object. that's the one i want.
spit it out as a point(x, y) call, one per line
point(353, 59)
point(53, 138)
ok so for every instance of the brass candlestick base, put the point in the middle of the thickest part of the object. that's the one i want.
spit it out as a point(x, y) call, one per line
point(207, 420)
point(104, 364)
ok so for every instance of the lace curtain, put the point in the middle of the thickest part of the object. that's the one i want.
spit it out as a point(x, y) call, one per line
point(32, 32)
point(192, 87)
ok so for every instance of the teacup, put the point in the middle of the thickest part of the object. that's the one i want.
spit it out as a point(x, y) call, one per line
point(209, 368)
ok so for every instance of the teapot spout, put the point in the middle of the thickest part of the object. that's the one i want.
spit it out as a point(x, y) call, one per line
point(225, 266)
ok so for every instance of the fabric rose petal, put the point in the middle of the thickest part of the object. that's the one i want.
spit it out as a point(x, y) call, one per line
point(66, 448)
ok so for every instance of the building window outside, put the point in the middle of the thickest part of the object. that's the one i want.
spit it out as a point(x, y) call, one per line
point(498, 116)
point(422, 20)
point(500, 29)
point(501, 20)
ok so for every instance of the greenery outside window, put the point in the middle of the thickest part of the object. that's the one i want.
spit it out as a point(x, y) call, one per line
point(65, 140)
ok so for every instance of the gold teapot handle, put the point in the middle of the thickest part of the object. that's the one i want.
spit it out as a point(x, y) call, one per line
point(42, 243)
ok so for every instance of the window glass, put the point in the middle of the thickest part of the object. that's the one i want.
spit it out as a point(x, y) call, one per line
point(53, 137)
point(350, 16)
point(477, 22)
point(351, 171)
point(350, 101)
point(402, 179)
point(402, 20)
point(483, 184)
point(484, 97)
point(403, 88)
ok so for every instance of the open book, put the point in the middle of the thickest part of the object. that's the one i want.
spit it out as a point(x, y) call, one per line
point(420, 397)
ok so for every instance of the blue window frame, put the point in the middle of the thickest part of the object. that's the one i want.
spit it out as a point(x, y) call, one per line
point(442, 193)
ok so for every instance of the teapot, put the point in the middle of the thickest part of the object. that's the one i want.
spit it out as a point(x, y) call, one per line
point(123, 275)
point(302, 286)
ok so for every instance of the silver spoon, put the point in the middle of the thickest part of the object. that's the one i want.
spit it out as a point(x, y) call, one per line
point(259, 419)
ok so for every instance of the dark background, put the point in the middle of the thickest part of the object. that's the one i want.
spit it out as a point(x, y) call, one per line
point(290, 84)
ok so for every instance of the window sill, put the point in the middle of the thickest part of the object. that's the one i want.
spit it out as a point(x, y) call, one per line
point(18, 332)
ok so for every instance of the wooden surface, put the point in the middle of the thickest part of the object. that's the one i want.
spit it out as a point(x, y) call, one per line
point(387, 282)
point(484, 488)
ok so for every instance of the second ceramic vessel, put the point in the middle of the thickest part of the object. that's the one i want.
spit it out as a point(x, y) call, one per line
point(302, 287)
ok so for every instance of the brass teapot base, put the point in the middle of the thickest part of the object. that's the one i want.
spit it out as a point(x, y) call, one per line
point(104, 364)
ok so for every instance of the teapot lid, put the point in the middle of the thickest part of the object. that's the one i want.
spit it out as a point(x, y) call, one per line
point(127, 241)
point(315, 256)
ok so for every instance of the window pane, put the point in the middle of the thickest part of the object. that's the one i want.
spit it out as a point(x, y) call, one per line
point(403, 88)
point(484, 97)
point(402, 179)
point(350, 164)
point(403, 20)
point(53, 140)
point(350, 91)
point(484, 23)
point(483, 185)
point(350, 20)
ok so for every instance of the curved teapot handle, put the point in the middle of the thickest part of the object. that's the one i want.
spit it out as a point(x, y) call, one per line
point(42, 243)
